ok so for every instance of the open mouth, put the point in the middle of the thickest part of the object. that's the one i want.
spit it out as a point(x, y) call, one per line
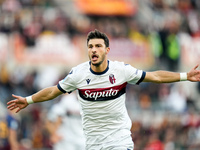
point(94, 57)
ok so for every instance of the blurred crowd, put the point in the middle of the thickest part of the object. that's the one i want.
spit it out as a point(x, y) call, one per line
point(165, 116)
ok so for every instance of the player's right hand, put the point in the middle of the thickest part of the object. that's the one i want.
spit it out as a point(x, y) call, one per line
point(19, 102)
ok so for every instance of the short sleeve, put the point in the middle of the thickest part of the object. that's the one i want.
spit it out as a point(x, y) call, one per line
point(133, 75)
point(67, 84)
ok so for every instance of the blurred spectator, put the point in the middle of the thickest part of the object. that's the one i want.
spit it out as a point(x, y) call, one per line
point(154, 142)
point(169, 139)
point(176, 100)
point(64, 124)
point(9, 126)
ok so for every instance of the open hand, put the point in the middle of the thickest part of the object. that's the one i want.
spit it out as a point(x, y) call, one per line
point(194, 74)
point(19, 102)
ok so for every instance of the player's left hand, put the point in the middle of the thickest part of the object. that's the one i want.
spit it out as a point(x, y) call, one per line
point(194, 74)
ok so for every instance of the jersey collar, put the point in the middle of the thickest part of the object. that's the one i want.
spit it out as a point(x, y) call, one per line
point(99, 73)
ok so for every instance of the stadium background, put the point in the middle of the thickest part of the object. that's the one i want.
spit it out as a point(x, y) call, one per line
point(40, 40)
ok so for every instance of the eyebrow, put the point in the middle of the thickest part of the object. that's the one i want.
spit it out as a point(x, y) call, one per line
point(95, 44)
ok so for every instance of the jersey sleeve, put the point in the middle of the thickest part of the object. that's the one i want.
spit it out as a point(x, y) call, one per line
point(133, 75)
point(67, 84)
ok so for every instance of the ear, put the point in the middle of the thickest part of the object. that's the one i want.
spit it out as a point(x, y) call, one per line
point(107, 50)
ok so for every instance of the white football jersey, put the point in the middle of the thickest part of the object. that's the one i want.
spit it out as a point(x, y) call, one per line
point(102, 99)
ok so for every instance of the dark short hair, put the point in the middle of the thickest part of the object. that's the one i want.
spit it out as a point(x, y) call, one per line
point(98, 35)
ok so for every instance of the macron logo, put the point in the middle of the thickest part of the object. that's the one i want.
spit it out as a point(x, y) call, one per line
point(88, 81)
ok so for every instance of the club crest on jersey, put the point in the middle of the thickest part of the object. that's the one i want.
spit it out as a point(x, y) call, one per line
point(112, 78)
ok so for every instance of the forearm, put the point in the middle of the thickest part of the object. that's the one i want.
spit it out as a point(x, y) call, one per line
point(43, 95)
point(13, 140)
point(162, 77)
point(46, 94)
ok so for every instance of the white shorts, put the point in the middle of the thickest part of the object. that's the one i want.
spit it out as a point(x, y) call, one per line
point(124, 143)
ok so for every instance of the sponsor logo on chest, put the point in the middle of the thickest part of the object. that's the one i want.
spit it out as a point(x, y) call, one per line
point(98, 94)
point(102, 94)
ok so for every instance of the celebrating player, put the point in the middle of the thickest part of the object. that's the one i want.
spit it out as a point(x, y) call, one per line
point(101, 85)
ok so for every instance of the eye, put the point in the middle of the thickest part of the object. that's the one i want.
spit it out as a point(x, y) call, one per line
point(98, 45)
point(90, 46)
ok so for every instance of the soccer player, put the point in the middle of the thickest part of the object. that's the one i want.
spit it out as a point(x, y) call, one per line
point(101, 85)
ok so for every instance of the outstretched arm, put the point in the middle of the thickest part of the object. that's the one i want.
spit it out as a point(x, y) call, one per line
point(43, 95)
point(167, 77)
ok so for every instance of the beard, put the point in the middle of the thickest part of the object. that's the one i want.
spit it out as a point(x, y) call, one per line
point(100, 62)
point(97, 64)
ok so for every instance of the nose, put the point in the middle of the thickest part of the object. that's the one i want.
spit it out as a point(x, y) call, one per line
point(94, 50)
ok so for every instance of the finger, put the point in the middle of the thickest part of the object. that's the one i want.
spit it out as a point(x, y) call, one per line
point(10, 106)
point(11, 102)
point(15, 96)
point(196, 66)
point(18, 110)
